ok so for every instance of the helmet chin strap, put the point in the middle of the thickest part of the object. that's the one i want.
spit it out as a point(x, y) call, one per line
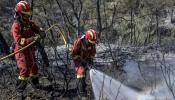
point(25, 17)
point(21, 18)
point(87, 42)
point(18, 17)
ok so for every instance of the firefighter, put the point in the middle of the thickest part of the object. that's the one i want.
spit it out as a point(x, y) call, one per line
point(24, 31)
point(83, 52)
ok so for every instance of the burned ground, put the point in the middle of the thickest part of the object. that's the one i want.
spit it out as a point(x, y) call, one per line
point(141, 71)
point(58, 79)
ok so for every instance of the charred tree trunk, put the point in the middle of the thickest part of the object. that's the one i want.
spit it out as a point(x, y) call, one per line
point(99, 25)
point(4, 48)
point(48, 23)
point(39, 45)
point(77, 13)
point(157, 28)
point(65, 18)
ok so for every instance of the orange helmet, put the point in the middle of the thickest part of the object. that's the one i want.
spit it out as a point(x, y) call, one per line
point(90, 35)
point(23, 8)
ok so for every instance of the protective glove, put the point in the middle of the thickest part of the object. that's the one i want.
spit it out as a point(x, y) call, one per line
point(42, 34)
point(12, 47)
point(83, 62)
point(37, 37)
point(90, 62)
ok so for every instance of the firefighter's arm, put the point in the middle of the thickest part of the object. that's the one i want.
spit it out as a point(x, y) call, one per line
point(38, 30)
point(16, 32)
point(75, 50)
point(35, 28)
point(93, 52)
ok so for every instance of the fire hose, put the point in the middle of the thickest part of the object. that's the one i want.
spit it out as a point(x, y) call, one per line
point(10, 55)
point(33, 42)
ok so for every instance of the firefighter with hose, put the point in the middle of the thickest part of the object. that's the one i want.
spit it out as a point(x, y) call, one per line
point(83, 52)
point(24, 31)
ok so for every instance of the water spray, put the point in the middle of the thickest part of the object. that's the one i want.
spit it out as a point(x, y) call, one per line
point(107, 88)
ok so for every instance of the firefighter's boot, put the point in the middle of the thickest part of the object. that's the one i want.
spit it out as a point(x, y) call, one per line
point(20, 86)
point(35, 83)
point(82, 87)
